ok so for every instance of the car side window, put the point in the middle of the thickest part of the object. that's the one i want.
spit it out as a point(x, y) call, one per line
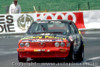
point(72, 29)
point(75, 29)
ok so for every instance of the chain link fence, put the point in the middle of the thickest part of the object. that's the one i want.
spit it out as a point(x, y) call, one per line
point(72, 6)
point(52, 5)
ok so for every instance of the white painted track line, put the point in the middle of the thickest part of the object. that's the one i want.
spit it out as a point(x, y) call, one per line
point(94, 58)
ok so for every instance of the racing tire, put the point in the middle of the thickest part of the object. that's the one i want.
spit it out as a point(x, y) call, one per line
point(80, 54)
point(71, 56)
point(22, 59)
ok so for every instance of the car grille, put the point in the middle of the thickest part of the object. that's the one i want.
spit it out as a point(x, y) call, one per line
point(42, 44)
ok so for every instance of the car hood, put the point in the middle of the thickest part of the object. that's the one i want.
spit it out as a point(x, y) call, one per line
point(37, 38)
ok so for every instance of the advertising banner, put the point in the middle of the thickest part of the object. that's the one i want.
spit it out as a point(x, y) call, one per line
point(19, 23)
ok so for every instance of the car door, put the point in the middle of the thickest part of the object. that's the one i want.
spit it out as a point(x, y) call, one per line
point(75, 35)
point(78, 36)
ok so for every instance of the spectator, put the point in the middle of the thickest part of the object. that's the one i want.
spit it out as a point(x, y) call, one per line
point(14, 8)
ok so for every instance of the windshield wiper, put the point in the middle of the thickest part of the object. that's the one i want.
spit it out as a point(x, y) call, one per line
point(47, 32)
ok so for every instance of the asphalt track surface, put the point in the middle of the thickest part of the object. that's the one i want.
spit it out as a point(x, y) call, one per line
point(8, 54)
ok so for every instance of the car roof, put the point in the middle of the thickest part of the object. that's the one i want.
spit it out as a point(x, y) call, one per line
point(68, 21)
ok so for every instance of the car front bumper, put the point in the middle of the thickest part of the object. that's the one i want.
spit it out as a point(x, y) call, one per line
point(43, 53)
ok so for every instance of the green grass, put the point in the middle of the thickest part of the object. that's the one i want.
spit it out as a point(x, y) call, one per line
point(51, 5)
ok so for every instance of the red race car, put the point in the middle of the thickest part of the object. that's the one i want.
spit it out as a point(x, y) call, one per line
point(51, 39)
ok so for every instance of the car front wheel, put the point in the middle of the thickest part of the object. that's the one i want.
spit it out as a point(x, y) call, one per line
point(80, 54)
point(21, 59)
point(71, 56)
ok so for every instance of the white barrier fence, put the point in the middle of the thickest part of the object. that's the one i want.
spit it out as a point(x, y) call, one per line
point(19, 23)
point(92, 19)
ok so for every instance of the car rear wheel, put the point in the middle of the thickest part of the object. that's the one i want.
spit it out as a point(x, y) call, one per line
point(21, 59)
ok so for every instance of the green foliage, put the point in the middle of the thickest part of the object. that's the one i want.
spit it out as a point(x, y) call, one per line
point(52, 5)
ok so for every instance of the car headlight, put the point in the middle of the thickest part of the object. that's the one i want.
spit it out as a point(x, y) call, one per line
point(57, 44)
point(27, 44)
point(22, 44)
point(62, 44)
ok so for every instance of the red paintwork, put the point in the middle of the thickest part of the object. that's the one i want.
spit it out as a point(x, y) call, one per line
point(54, 52)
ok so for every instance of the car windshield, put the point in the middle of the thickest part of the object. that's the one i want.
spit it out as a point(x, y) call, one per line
point(48, 27)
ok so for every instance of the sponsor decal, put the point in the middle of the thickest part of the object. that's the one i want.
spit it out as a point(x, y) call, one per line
point(40, 37)
point(37, 40)
point(32, 37)
point(41, 41)
point(24, 21)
